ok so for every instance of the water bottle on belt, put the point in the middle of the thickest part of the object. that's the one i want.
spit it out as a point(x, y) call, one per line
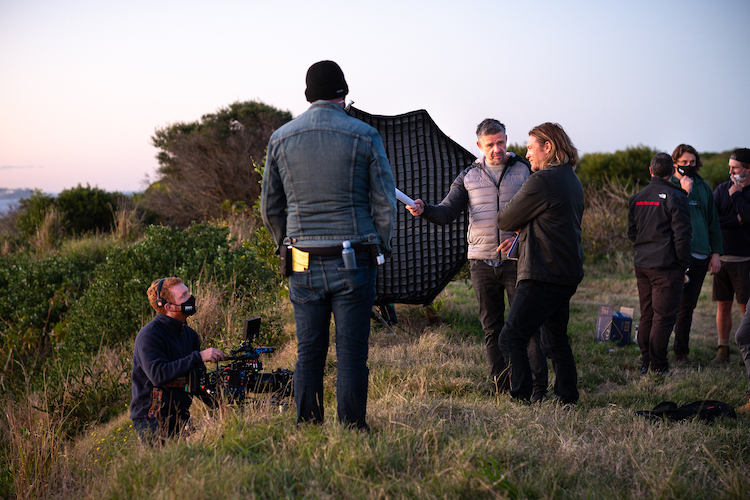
point(350, 260)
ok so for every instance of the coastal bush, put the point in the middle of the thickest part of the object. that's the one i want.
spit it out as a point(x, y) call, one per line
point(629, 165)
point(115, 307)
point(86, 209)
point(605, 220)
point(32, 211)
point(206, 163)
point(36, 295)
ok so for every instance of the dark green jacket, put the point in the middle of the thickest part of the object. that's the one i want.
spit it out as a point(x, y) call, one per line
point(704, 218)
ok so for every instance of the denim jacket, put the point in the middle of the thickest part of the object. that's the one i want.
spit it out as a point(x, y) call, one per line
point(326, 180)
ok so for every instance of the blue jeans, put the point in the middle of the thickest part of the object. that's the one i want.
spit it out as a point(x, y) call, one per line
point(546, 307)
point(327, 287)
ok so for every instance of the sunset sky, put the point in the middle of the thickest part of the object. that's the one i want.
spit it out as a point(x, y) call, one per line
point(84, 84)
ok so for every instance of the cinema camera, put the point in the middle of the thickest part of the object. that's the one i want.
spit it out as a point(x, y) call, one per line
point(242, 375)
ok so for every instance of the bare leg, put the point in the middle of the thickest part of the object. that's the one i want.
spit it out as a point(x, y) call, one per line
point(724, 320)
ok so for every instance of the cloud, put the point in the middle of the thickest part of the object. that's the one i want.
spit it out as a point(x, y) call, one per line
point(18, 167)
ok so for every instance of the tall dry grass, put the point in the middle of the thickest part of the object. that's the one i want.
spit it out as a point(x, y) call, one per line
point(37, 430)
point(49, 232)
point(127, 225)
point(241, 225)
point(438, 431)
point(605, 220)
point(33, 440)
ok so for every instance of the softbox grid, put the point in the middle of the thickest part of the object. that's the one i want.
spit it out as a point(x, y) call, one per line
point(424, 162)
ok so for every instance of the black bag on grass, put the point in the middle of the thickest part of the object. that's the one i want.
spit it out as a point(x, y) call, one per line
point(706, 410)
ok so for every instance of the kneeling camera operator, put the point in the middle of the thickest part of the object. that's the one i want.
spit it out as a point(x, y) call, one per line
point(166, 351)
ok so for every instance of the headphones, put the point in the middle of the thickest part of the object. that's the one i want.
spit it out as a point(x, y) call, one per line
point(160, 302)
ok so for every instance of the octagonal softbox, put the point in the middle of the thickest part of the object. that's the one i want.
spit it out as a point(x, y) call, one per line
point(425, 162)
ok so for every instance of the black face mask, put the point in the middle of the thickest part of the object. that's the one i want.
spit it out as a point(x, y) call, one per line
point(687, 170)
point(188, 307)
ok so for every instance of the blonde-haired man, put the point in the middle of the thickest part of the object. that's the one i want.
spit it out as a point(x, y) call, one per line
point(166, 351)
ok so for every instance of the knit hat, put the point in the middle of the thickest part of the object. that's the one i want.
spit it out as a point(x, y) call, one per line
point(325, 80)
point(742, 155)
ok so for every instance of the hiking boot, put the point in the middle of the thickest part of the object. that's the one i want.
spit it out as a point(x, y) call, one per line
point(682, 359)
point(722, 356)
point(643, 370)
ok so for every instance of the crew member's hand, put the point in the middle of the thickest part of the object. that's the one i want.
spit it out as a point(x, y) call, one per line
point(714, 265)
point(686, 183)
point(736, 187)
point(417, 209)
point(739, 219)
point(212, 355)
point(505, 245)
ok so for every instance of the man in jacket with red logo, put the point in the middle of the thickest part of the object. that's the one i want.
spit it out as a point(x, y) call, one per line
point(659, 227)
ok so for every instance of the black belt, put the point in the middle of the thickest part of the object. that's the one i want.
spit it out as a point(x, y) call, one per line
point(334, 251)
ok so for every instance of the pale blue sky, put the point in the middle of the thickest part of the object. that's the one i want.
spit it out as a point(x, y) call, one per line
point(84, 84)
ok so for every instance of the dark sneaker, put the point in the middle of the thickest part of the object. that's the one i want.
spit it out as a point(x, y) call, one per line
point(643, 370)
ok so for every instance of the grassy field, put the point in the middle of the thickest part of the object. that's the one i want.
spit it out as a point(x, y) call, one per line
point(438, 432)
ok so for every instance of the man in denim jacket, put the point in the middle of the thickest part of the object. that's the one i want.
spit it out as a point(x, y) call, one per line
point(327, 180)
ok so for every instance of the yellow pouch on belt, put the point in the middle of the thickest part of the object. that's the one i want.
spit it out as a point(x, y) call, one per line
point(300, 260)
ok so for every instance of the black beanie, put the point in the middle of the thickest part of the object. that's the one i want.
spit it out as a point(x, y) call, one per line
point(742, 155)
point(325, 80)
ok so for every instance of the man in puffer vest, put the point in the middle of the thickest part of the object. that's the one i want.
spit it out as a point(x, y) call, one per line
point(484, 188)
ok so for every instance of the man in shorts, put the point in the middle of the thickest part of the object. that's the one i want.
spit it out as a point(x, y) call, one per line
point(732, 200)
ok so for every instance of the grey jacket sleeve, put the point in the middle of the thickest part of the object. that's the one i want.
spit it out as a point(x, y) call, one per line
point(452, 205)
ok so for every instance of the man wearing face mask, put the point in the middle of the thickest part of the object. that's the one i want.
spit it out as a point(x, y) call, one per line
point(705, 247)
point(732, 201)
point(166, 350)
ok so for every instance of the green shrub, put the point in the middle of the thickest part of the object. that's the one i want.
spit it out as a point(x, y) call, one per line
point(86, 209)
point(605, 221)
point(115, 307)
point(32, 212)
point(630, 164)
point(88, 392)
point(34, 295)
point(518, 149)
point(715, 168)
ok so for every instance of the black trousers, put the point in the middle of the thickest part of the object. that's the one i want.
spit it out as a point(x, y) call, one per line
point(659, 292)
point(690, 293)
point(489, 283)
point(544, 307)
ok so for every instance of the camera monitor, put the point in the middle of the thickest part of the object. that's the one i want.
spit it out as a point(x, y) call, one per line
point(251, 330)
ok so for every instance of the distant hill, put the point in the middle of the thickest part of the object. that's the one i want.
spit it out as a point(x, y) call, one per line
point(11, 197)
